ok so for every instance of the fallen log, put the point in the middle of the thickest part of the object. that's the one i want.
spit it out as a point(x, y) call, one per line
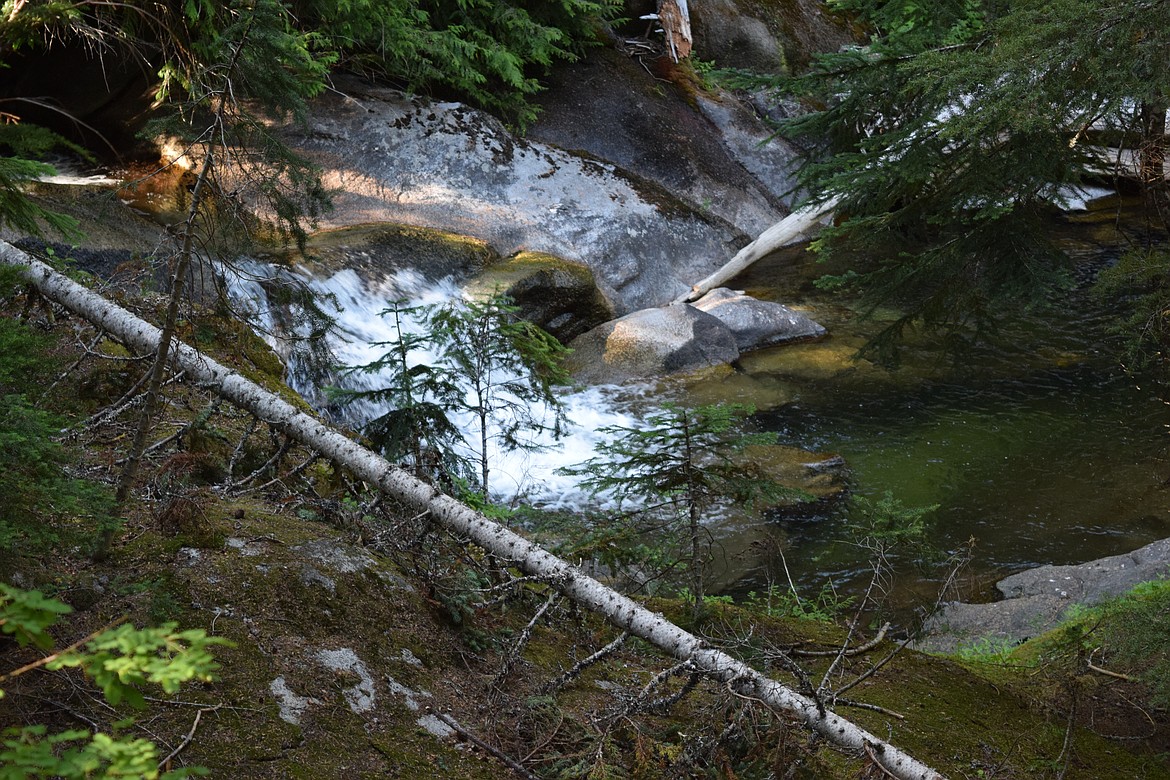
point(621, 611)
point(796, 227)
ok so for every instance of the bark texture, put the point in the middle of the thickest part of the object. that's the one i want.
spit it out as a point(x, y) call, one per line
point(797, 226)
point(619, 610)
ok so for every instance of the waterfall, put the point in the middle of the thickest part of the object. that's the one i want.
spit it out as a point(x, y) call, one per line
point(361, 335)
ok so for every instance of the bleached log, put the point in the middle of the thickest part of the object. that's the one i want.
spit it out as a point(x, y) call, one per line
point(618, 609)
point(796, 227)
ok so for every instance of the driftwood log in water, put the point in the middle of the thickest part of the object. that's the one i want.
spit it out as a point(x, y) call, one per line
point(796, 227)
point(618, 609)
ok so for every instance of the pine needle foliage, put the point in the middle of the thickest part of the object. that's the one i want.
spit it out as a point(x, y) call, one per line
point(489, 52)
point(507, 369)
point(419, 396)
point(682, 461)
point(45, 508)
point(465, 357)
point(952, 134)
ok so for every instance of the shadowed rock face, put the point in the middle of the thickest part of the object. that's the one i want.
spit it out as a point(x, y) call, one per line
point(709, 151)
point(651, 343)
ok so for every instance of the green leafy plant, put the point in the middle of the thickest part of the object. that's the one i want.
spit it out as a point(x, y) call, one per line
point(987, 650)
point(782, 602)
point(467, 357)
point(490, 52)
point(120, 660)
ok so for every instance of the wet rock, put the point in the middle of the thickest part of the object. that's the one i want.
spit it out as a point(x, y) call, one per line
point(756, 324)
point(448, 166)
point(560, 296)
point(651, 343)
point(1036, 600)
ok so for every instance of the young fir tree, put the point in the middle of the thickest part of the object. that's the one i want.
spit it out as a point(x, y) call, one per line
point(949, 136)
point(681, 461)
point(506, 368)
point(484, 360)
point(416, 428)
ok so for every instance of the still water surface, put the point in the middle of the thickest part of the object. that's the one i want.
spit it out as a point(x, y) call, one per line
point(1042, 451)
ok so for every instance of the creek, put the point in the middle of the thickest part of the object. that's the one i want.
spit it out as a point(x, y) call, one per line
point(1041, 451)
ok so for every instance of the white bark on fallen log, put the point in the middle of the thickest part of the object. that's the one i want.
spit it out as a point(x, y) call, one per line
point(796, 227)
point(620, 610)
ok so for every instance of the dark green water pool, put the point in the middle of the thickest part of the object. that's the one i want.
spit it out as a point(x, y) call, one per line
point(1042, 451)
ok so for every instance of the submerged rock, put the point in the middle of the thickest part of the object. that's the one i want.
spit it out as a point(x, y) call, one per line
point(756, 324)
point(651, 343)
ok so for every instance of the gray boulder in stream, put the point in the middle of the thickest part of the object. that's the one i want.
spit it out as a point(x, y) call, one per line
point(756, 324)
point(651, 343)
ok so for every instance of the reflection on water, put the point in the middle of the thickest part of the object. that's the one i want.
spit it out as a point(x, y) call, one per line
point(1042, 451)
point(1061, 466)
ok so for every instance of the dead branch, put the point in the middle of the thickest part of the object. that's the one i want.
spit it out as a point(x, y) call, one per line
point(238, 451)
point(511, 763)
point(234, 487)
point(166, 762)
point(572, 674)
point(517, 648)
point(1115, 675)
point(86, 351)
point(861, 705)
point(870, 645)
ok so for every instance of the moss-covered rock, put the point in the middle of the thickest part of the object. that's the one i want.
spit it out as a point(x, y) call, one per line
point(560, 296)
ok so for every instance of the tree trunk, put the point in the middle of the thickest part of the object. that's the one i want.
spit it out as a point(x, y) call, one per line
point(1152, 159)
point(797, 226)
point(619, 610)
point(158, 369)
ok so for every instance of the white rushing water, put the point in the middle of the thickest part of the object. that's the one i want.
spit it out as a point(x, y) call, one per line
point(361, 335)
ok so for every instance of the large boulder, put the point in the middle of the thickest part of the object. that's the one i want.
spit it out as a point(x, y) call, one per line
point(756, 324)
point(651, 343)
point(559, 296)
point(1036, 600)
point(704, 149)
point(391, 158)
